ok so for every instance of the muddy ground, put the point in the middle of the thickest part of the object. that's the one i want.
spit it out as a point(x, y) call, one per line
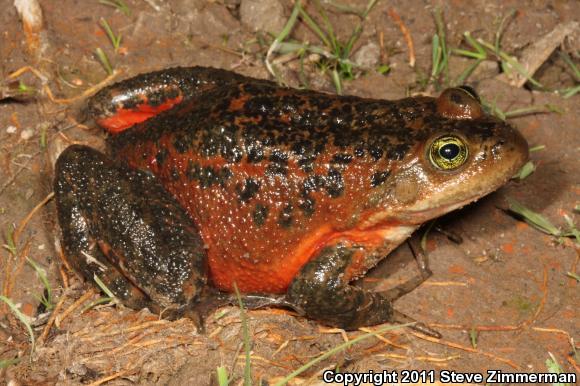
point(507, 281)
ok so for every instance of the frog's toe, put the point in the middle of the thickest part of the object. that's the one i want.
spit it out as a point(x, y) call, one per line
point(399, 317)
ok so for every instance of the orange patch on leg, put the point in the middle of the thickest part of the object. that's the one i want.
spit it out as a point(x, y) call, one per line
point(125, 118)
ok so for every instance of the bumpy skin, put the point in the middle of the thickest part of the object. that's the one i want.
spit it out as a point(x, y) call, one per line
point(120, 225)
point(294, 192)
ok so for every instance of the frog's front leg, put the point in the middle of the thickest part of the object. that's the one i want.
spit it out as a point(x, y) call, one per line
point(120, 225)
point(322, 293)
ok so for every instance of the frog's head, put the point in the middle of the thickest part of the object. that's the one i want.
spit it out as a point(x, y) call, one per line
point(466, 155)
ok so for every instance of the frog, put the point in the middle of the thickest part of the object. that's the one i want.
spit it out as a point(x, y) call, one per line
point(215, 183)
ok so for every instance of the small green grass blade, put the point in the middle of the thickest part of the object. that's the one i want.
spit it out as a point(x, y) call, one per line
point(533, 218)
point(525, 171)
point(435, 56)
point(281, 36)
point(502, 27)
point(42, 276)
point(101, 300)
point(467, 72)
point(356, 33)
point(115, 39)
point(118, 4)
point(328, 26)
point(314, 26)
point(572, 229)
point(23, 319)
point(510, 62)
point(337, 349)
point(247, 343)
point(103, 287)
point(4, 363)
point(104, 60)
point(440, 52)
point(473, 337)
point(575, 70)
point(336, 81)
point(543, 109)
point(569, 92)
point(10, 245)
point(222, 375)
point(554, 367)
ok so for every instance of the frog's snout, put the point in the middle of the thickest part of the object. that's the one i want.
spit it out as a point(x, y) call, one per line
point(516, 150)
point(521, 146)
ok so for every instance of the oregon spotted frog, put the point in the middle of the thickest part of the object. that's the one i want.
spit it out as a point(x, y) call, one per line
point(218, 179)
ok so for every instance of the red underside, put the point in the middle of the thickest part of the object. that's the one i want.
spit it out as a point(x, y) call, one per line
point(125, 118)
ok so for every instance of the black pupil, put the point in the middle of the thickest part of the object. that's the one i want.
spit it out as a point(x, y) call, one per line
point(449, 151)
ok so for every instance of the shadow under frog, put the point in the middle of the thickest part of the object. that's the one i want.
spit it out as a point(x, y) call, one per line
point(217, 180)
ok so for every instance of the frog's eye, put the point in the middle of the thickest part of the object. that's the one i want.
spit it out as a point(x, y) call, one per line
point(448, 152)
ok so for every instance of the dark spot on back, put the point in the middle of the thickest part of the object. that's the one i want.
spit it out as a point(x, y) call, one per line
point(285, 216)
point(273, 170)
point(379, 178)
point(312, 183)
point(231, 153)
point(306, 164)
point(279, 157)
point(342, 158)
point(302, 147)
point(260, 214)
point(193, 170)
point(334, 184)
point(181, 143)
point(255, 153)
point(307, 205)
point(249, 189)
point(398, 151)
point(224, 175)
point(161, 156)
point(174, 174)
point(376, 152)
point(208, 177)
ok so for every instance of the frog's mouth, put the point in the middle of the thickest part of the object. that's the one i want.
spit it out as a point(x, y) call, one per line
point(420, 216)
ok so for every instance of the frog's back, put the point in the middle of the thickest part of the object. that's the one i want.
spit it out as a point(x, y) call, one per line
point(272, 175)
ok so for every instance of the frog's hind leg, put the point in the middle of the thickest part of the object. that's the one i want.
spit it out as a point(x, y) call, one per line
point(144, 96)
point(122, 226)
point(322, 293)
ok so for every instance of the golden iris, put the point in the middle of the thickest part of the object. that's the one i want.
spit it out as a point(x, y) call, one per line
point(448, 152)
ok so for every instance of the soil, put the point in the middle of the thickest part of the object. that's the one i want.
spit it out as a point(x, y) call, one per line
point(502, 298)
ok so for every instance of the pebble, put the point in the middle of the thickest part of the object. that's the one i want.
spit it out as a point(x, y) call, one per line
point(26, 134)
point(368, 56)
point(264, 15)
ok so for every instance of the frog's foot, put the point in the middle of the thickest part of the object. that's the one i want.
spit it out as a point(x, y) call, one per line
point(137, 99)
point(322, 293)
point(121, 226)
point(403, 289)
